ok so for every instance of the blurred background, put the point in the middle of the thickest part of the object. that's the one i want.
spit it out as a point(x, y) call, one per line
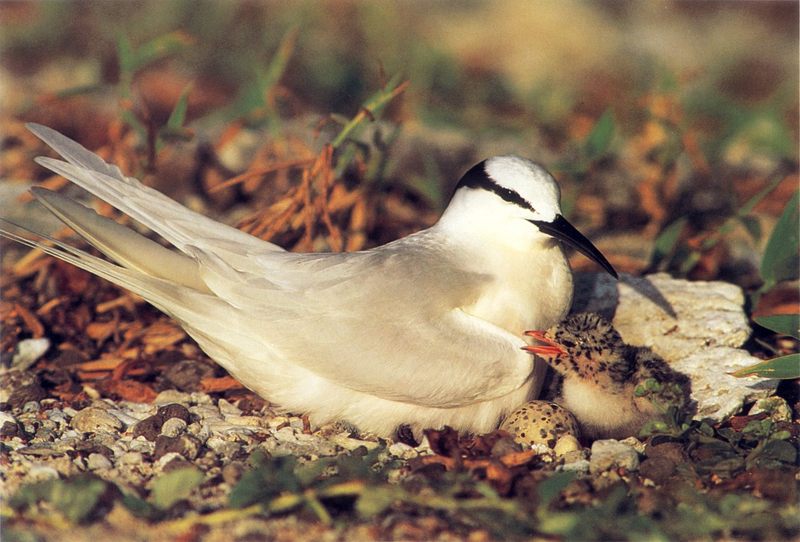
point(671, 125)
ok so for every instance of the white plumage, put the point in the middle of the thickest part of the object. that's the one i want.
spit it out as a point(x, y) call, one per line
point(425, 331)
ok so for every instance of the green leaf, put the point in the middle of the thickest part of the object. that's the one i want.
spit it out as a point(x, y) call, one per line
point(752, 225)
point(76, 498)
point(784, 367)
point(548, 490)
point(175, 486)
point(178, 116)
point(374, 500)
point(785, 324)
point(156, 49)
point(599, 139)
point(668, 239)
point(781, 259)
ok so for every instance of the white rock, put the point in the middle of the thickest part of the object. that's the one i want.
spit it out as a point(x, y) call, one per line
point(172, 396)
point(173, 427)
point(126, 419)
point(717, 393)
point(566, 444)
point(39, 473)
point(697, 327)
point(612, 454)
point(95, 420)
point(777, 408)
point(227, 408)
point(29, 351)
point(6, 417)
point(166, 458)
point(402, 450)
point(220, 446)
point(580, 466)
point(131, 458)
point(98, 462)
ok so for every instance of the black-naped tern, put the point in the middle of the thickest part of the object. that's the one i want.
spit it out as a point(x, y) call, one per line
point(425, 331)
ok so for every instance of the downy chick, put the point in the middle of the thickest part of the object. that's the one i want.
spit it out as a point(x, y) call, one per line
point(612, 388)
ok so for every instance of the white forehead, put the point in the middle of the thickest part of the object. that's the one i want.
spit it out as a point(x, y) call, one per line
point(528, 179)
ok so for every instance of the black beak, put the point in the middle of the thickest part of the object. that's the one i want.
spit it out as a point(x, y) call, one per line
point(566, 233)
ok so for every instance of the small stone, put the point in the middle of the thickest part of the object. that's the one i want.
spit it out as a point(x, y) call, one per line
point(776, 406)
point(172, 396)
point(131, 458)
point(228, 409)
point(634, 443)
point(174, 410)
point(185, 445)
point(566, 444)
point(40, 473)
point(126, 419)
point(403, 451)
point(232, 472)
point(578, 465)
point(162, 461)
point(98, 462)
point(222, 447)
point(149, 427)
point(6, 417)
point(29, 351)
point(141, 445)
point(612, 454)
point(11, 429)
point(173, 427)
point(95, 420)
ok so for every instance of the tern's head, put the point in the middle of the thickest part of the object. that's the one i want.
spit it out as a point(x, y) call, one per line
point(585, 346)
point(509, 193)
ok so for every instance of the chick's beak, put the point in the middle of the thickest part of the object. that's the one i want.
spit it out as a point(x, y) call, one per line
point(565, 232)
point(548, 349)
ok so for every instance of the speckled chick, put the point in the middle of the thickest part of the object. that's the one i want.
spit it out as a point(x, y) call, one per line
point(612, 388)
point(540, 422)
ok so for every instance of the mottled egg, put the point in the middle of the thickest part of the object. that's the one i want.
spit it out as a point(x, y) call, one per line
point(540, 422)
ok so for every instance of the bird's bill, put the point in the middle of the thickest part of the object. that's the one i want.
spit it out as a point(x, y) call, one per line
point(565, 232)
point(547, 349)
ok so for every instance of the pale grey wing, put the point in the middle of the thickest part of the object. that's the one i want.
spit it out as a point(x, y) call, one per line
point(174, 222)
point(384, 322)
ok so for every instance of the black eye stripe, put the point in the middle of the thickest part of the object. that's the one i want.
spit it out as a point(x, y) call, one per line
point(479, 179)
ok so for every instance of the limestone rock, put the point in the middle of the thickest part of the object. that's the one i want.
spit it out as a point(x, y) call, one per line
point(95, 420)
point(697, 327)
point(612, 454)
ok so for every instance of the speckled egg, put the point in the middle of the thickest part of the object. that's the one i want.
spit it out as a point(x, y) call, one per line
point(540, 422)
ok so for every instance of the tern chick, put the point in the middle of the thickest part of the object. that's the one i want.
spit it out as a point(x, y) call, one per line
point(425, 331)
point(612, 388)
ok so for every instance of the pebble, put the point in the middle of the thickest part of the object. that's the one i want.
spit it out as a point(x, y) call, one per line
point(131, 458)
point(172, 396)
point(28, 352)
point(39, 473)
point(98, 462)
point(6, 417)
point(777, 408)
point(612, 454)
point(173, 427)
point(222, 447)
point(402, 450)
point(566, 444)
point(227, 408)
point(95, 420)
